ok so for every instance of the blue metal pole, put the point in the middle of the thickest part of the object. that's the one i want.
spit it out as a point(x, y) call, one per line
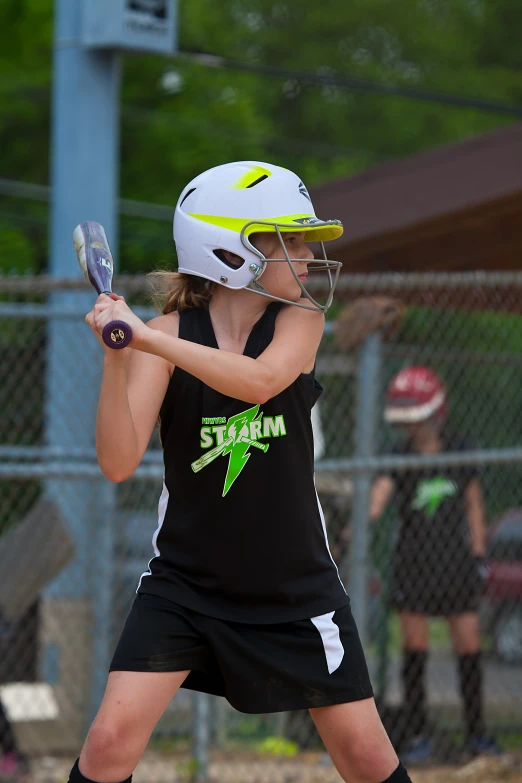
point(84, 175)
point(367, 416)
point(200, 735)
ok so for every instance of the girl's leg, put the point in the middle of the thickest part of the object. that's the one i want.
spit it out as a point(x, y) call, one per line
point(357, 743)
point(415, 640)
point(465, 633)
point(133, 704)
point(414, 631)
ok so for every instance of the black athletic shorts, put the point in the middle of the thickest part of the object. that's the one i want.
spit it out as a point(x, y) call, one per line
point(258, 668)
point(435, 587)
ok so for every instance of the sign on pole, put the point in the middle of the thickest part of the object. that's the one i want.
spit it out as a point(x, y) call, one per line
point(144, 25)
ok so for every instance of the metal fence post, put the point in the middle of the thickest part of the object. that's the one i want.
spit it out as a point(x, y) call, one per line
point(200, 736)
point(219, 715)
point(101, 589)
point(84, 158)
point(367, 414)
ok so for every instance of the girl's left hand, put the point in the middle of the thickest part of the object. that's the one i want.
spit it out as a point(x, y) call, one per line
point(115, 308)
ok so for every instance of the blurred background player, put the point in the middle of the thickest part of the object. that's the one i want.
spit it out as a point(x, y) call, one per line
point(438, 566)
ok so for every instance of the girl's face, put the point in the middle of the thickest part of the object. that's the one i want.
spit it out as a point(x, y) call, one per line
point(422, 432)
point(277, 277)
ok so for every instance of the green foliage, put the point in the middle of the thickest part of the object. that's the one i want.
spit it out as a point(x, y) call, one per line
point(278, 746)
point(25, 70)
point(16, 249)
point(180, 117)
point(187, 769)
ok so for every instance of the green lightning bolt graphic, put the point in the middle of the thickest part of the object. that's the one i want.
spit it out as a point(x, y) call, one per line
point(239, 429)
point(431, 493)
point(236, 443)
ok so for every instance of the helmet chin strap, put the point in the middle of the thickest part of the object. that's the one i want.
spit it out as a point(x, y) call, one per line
point(324, 264)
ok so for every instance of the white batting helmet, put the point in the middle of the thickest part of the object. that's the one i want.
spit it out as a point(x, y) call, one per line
point(221, 208)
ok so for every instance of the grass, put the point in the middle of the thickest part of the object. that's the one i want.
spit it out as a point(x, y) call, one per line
point(439, 637)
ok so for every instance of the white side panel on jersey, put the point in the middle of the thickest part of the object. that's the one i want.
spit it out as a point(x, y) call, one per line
point(326, 537)
point(317, 430)
point(162, 510)
point(331, 639)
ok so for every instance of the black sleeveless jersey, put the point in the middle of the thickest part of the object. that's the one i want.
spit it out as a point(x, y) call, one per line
point(241, 533)
point(432, 509)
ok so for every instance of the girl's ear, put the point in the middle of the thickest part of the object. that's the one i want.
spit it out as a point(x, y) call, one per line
point(231, 259)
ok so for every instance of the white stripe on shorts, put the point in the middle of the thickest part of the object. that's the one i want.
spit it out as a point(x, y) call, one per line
point(331, 639)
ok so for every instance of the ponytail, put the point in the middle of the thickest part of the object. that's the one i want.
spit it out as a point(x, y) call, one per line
point(178, 291)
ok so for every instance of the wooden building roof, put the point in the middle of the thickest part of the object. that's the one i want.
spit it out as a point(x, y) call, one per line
point(455, 208)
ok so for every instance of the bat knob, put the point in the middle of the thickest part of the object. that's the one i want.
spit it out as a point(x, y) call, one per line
point(117, 334)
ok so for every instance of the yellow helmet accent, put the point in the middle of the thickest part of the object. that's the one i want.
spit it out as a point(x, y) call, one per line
point(323, 230)
point(251, 177)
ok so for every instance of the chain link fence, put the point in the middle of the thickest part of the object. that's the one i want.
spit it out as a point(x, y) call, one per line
point(73, 546)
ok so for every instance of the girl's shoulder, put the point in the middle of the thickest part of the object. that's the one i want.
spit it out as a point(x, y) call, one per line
point(169, 323)
point(290, 314)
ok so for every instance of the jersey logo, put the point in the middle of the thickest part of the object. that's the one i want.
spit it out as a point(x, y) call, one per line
point(431, 493)
point(235, 437)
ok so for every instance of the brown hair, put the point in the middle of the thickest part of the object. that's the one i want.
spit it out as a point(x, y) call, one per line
point(178, 291)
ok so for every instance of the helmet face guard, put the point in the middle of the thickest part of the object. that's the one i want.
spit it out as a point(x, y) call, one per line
point(324, 264)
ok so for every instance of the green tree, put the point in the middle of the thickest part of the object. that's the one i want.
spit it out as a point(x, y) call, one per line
point(180, 117)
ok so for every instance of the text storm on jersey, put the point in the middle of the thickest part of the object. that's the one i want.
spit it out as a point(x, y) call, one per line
point(236, 436)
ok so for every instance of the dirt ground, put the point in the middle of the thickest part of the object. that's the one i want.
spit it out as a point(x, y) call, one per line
point(483, 770)
point(159, 768)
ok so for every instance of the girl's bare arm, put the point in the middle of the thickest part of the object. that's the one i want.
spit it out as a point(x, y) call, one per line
point(382, 490)
point(476, 516)
point(133, 388)
point(291, 352)
point(134, 385)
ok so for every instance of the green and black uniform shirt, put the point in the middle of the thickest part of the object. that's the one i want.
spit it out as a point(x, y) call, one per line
point(241, 533)
point(434, 569)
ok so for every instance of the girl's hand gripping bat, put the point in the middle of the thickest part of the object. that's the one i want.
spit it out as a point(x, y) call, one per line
point(95, 259)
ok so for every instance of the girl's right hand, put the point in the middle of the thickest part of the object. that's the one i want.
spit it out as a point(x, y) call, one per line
point(103, 302)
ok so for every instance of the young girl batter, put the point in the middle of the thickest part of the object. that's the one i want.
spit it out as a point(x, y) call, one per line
point(242, 597)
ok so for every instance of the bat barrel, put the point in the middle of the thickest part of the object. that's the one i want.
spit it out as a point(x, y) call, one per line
point(95, 259)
